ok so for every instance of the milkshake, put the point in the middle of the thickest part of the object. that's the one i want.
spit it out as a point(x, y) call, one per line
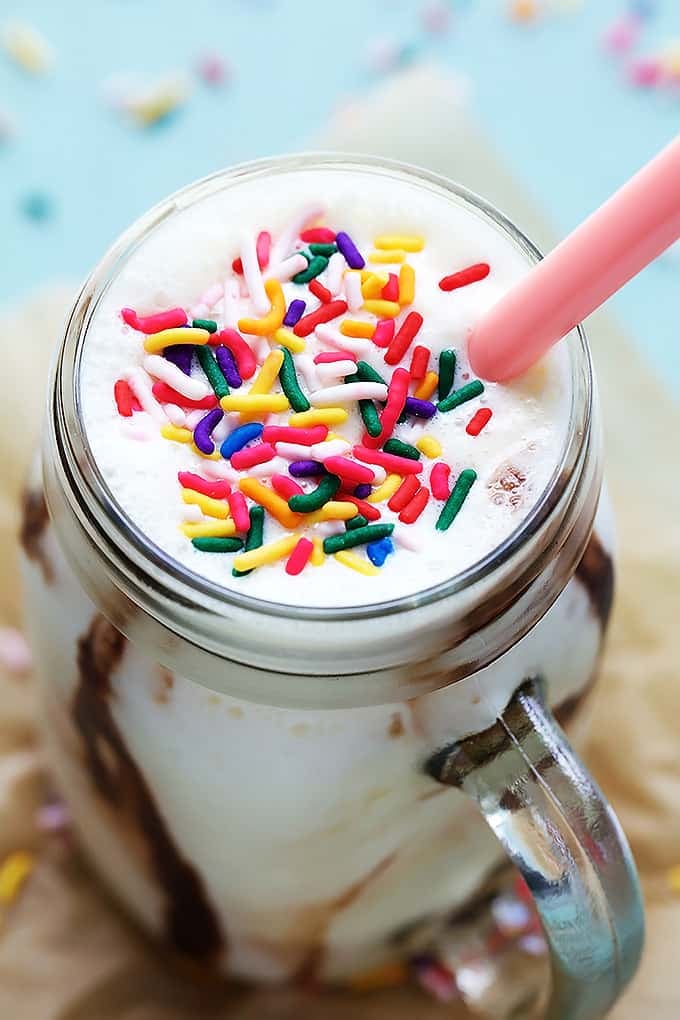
point(296, 548)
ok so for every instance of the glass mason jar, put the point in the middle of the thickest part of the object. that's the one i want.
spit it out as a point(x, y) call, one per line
point(280, 792)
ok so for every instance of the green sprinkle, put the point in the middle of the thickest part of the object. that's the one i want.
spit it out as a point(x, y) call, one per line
point(217, 545)
point(367, 409)
point(366, 373)
point(308, 502)
point(400, 449)
point(323, 249)
point(356, 522)
point(290, 385)
point(360, 536)
point(315, 266)
point(255, 535)
point(213, 371)
point(208, 324)
point(447, 370)
point(464, 483)
point(468, 392)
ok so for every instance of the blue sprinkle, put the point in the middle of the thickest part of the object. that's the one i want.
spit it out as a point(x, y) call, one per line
point(378, 552)
point(349, 250)
point(294, 313)
point(240, 437)
point(363, 490)
point(306, 468)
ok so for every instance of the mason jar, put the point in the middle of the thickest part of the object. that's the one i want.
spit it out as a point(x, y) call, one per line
point(282, 792)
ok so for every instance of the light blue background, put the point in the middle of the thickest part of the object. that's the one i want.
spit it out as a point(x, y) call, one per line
point(555, 106)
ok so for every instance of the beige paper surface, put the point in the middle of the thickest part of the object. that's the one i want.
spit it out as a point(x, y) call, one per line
point(65, 952)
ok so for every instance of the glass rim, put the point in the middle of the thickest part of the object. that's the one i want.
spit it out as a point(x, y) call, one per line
point(139, 548)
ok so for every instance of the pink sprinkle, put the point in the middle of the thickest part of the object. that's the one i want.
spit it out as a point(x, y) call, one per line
point(171, 319)
point(213, 69)
point(349, 470)
point(299, 558)
point(390, 291)
point(263, 248)
point(439, 480)
point(239, 510)
point(252, 455)
point(318, 235)
point(438, 980)
point(481, 418)
point(328, 357)
point(285, 486)
point(622, 34)
point(290, 434)
point(384, 332)
point(219, 489)
point(390, 461)
point(645, 72)
point(15, 655)
point(54, 817)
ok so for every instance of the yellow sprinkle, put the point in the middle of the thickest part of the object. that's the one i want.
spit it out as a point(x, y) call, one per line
point(272, 320)
point(319, 416)
point(14, 871)
point(673, 878)
point(335, 435)
point(266, 553)
point(318, 555)
point(334, 510)
point(177, 435)
point(386, 976)
point(384, 491)
point(407, 285)
point(255, 403)
point(373, 285)
point(288, 339)
point(271, 501)
point(210, 507)
point(354, 562)
point(406, 242)
point(430, 446)
point(352, 327)
point(209, 529)
point(215, 455)
point(26, 47)
point(387, 256)
point(169, 337)
point(427, 386)
point(265, 379)
point(383, 309)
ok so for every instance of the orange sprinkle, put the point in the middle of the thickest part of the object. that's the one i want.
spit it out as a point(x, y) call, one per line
point(267, 498)
point(427, 387)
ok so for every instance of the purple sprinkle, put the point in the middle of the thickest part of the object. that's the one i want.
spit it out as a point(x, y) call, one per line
point(306, 468)
point(204, 428)
point(227, 362)
point(180, 355)
point(362, 491)
point(294, 313)
point(419, 408)
point(349, 250)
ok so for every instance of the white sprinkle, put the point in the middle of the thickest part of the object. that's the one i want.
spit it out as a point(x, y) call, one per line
point(334, 272)
point(355, 298)
point(230, 303)
point(193, 418)
point(169, 373)
point(260, 348)
point(252, 274)
point(326, 528)
point(212, 295)
point(307, 369)
point(331, 371)
point(289, 236)
point(221, 430)
point(292, 451)
point(191, 514)
point(219, 469)
point(141, 387)
point(329, 448)
point(176, 415)
point(286, 270)
point(199, 311)
point(379, 474)
point(334, 395)
point(15, 654)
point(276, 466)
point(334, 338)
point(407, 538)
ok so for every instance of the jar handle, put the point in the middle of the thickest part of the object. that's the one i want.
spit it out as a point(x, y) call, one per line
point(565, 840)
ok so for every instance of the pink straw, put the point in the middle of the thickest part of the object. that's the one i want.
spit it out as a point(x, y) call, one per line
point(618, 240)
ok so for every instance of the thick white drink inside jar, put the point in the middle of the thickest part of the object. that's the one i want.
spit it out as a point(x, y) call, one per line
point(278, 843)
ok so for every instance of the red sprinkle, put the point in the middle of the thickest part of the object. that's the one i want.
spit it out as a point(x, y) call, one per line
point(404, 494)
point(239, 510)
point(390, 291)
point(245, 359)
point(324, 313)
point(219, 489)
point(370, 512)
point(465, 276)
point(318, 235)
point(171, 319)
point(289, 434)
point(328, 357)
point(286, 486)
point(299, 558)
point(249, 456)
point(384, 331)
point(319, 291)
point(397, 392)
point(439, 480)
point(349, 470)
point(237, 267)
point(263, 247)
point(419, 362)
point(414, 509)
point(477, 422)
point(124, 398)
point(167, 395)
point(403, 338)
point(390, 461)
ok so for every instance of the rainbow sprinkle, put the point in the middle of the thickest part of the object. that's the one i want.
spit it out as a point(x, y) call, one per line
point(255, 398)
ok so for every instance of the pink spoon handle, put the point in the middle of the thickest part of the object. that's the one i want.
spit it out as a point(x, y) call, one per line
point(618, 240)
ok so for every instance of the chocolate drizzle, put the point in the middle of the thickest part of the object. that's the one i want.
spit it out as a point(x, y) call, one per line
point(596, 574)
point(34, 521)
point(191, 925)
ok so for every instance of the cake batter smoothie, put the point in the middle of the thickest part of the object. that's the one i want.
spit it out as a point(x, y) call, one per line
point(299, 557)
